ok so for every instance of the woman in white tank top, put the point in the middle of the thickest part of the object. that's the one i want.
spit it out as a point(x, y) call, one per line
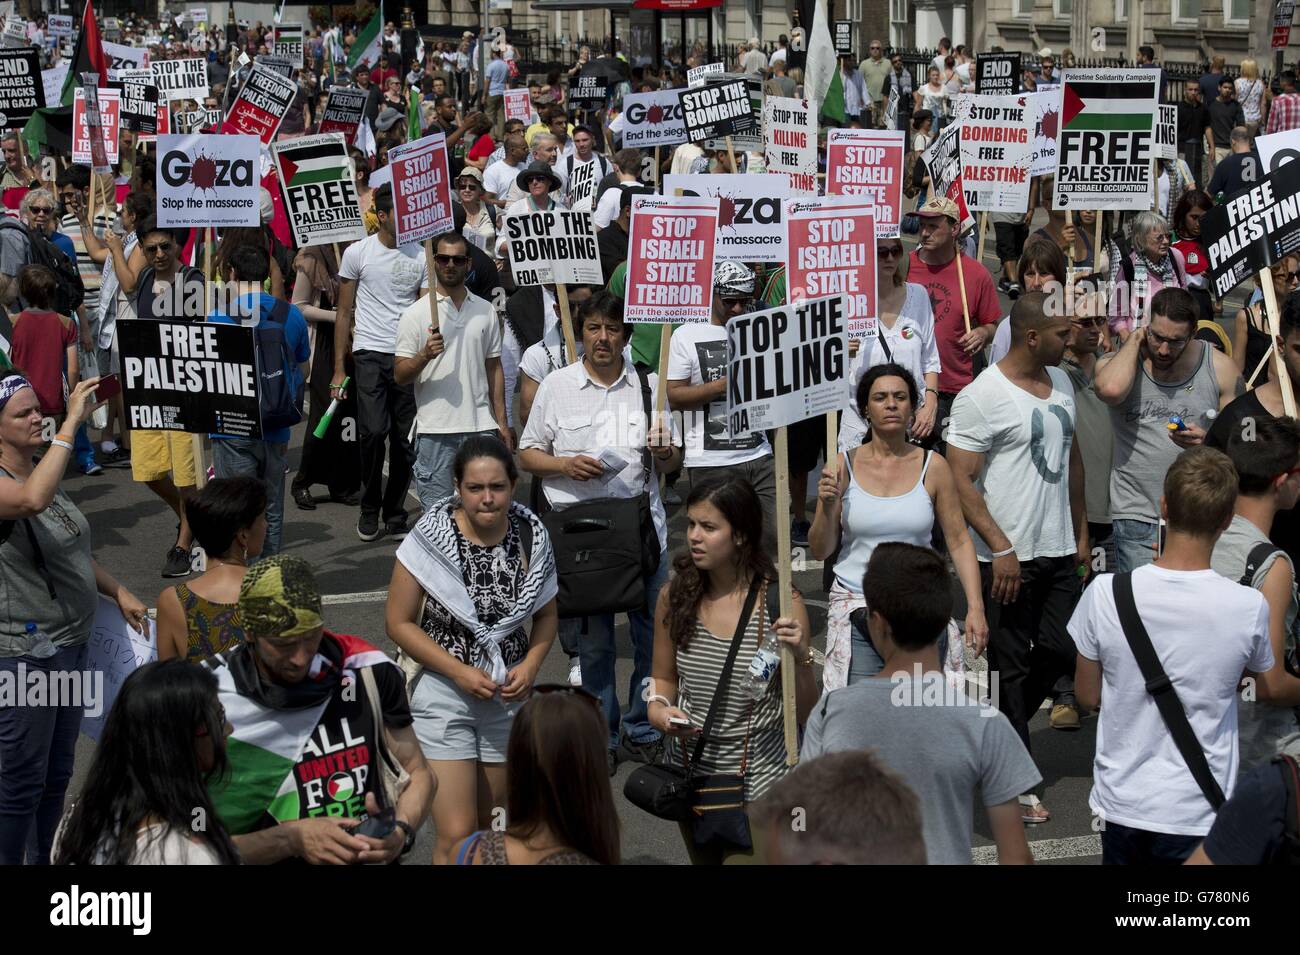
point(886, 490)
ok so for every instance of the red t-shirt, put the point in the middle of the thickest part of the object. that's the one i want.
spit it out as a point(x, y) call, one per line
point(40, 344)
point(945, 298)
point(482, 148)
point(379, 76)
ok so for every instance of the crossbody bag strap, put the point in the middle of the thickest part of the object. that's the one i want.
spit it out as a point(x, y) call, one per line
point(381, 744)
point(1162, 690)
point(720, 695)
point(645, 406)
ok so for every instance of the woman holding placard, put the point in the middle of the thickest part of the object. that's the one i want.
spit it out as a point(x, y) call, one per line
point(887, 490)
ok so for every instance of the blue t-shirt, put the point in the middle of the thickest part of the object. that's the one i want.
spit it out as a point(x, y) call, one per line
point(497, 73)
point(295, 333)
point(64, 245)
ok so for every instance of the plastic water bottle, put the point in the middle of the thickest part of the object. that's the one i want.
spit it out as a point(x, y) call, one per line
point(764, 664)
point(42, 646)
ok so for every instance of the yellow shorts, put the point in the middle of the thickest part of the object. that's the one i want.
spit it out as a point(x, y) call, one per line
point(159, 454)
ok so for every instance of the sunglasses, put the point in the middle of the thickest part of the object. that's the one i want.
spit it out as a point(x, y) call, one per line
point(41, 210)
point(735, 302)
point(563, 688)
point(155, 249)
point(467, 184)
point(442, 259)
point(888, 251)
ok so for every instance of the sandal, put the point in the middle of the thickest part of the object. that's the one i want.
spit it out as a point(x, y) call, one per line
point(1033, 812)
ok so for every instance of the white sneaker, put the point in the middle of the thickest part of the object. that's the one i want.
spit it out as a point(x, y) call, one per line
point(575, 673)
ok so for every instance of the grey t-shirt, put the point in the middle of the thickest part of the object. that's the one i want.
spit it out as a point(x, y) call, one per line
point(944, 752)
point(1096, 442)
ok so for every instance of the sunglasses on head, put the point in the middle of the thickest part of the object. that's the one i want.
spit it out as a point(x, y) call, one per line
point(444, 259)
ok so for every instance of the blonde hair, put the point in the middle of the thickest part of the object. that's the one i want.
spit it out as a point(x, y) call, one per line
point(1200, 491)
point(1249, 69)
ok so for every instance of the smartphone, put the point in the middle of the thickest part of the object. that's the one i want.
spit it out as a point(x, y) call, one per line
point(109, 386)
point(678, 721)
point(378, 826)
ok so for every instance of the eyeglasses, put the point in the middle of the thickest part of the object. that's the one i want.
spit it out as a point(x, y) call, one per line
point(542, 689)
point(55, 509)
point(159, 247)
point(1174, 343)
point(442, 259)
point(888, 251)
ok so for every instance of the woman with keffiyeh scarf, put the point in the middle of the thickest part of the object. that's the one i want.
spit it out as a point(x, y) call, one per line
point(1141, 271)
point(472, 573)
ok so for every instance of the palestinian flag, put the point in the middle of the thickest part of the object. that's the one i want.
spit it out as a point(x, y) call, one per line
point(1129, 106)
point(367, 46)
point(52, 127)
point(267, 743)
point(327, 162)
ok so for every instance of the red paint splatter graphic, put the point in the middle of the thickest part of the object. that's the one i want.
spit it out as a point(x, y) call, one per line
point(726, 211)
point(203, 174)
point(655, 115)
point(1049, 124)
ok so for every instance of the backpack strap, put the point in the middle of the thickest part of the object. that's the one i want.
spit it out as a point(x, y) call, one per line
point(645, 405)
point(1162, 690)
point(467, 849)
point(38, 556)
point(1258, 556)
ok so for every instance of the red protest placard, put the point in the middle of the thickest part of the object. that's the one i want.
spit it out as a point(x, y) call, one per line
point(519, 105)
point(105, 115)
point(831, 250)
point(421, 189)
point(868, 163)
point(670, 259)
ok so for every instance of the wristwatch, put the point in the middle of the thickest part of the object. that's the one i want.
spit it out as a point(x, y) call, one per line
point(409, 844)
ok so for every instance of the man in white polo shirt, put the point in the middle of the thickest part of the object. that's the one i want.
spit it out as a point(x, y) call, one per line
point(456, 369)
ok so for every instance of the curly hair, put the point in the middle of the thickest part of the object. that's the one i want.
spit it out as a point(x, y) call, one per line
point(737, 501)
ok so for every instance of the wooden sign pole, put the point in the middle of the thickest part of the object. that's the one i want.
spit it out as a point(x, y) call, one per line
point(984, 223)
point(1275, 331)
point(433, 284)
point(1250, 382)
point(1096, 241)
point(657, 167)
point(832, 435)
point(200, 462)
point(566, 324)
point(784, 584)
point(731, 154)
point(961, 284)
point(1069, 251)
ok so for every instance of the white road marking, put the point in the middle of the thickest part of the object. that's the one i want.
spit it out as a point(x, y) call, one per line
point(1071, 847)
point(367, 597)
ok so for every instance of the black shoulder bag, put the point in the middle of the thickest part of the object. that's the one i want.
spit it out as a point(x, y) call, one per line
point(1258, 555)
point(1162, 690)
point(714, 805)
point(605, 548)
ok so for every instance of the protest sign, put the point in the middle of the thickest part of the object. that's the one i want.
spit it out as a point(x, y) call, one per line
point(139, 98)
point(670, 259)
point(287, 41)
point(1045, 112)
point(697, 76)
point(519, 105)
point(421, 189)
point(555, 247)
point(22, 88)
point(114, 650)
point(995, 152)
point(653, 119)
point(262, 104)
point(95, 117)
point(278, 64)
point(52, 81)
point(319, 191)
point(1253, 228)
point(843, 35)
point(1107, 139)
point(997, 74)
point(749, 212)
point(342, 113)
point(112, 28)
point(786, 364)
point(180, 79)
point(59, 24)
point(751, 141)
point(891, 107)
point(868, 163)
point(163, 124)
point(208, 180)
point(15, 33)
point(580, 187)
point(1282, 15)
point(589, 92)
point(186, 376)
point(943, 160)
point(714, 112)
point(126, 57)
point(831, 250)
point(790, 134)
point(198, 120)
point(1167, 133)
point(1277, 149)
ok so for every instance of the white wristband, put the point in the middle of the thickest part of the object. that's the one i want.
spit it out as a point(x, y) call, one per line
point(659, 698)
point(1004, 553)
point(60, 443)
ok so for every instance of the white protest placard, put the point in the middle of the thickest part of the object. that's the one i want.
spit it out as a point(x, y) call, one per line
point(519, 105)
point(287, 40)
point(208, 180)
point(1107, 139)
point(59, 24)
point(15, 33)
point(697, 75)
point(868, 164)
point(114, 651)
point(995, 152)
point(831, 250)
point(107, 116)
point(53, 80)
point(1167, 132)
point(580, 188)
point(553, 247)
point(786, 365)
point(421, 189)
point(125, 57)
point(749, 212)
point(653, 119)
point(180, 79)
point(1045, 112)
point(790, 132)
point(670, 259)
point(320, 194)
point(1278, 149)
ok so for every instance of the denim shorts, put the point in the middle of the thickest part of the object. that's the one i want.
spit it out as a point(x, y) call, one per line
point(450, 724)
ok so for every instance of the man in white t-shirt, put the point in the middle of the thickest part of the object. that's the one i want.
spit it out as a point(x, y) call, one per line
point(456, 369)
point(581, 172)
point(1206, 631)
point(697, 385)
point(500, 176)
point(378, 281)
point(1020, 478)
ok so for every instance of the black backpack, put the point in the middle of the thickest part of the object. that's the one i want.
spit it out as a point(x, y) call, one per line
point(69, 290)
